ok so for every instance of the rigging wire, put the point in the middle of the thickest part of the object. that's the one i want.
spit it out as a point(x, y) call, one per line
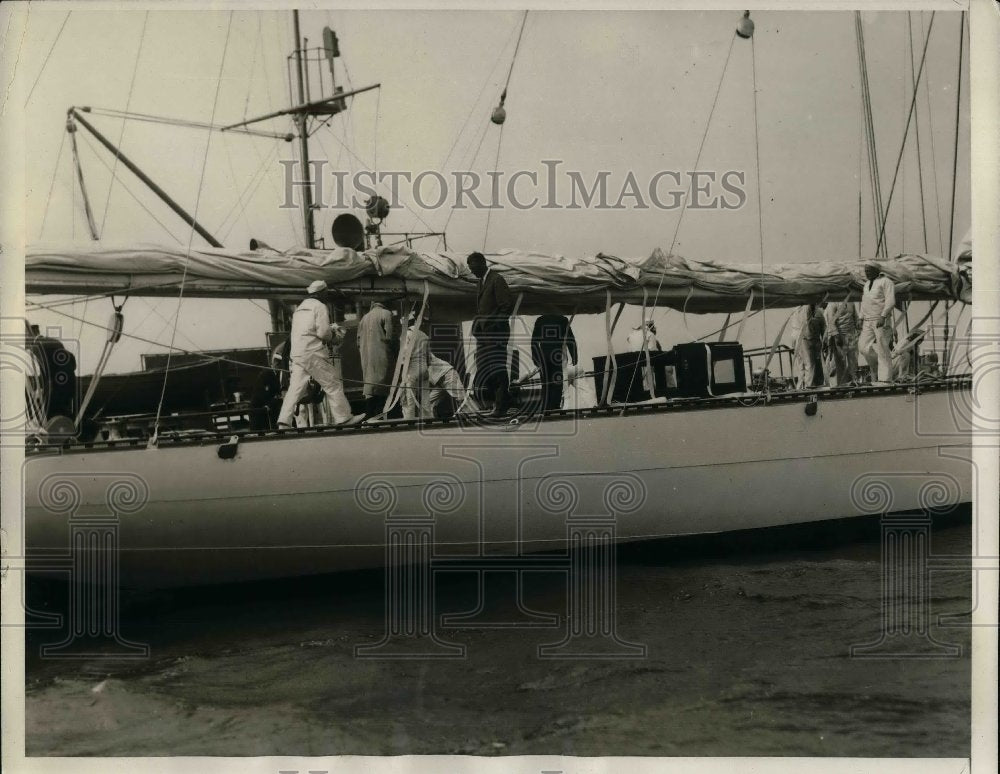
point(958, 117)
point(869, 123)
point(902, 170)
point(954, 180)
point(503, 96)
point(154, 308)
point(265, 63)
point(496, 165)
point(920, 164)
point(348, 125)
point(153, 342)
point(72, 219)
point(378, 113)
point(475, 103)
point(516, 47)
point(261, 308)
point(324, 212)
point(861, 185)
point(352, 155)
point(276, 147)
point(760, 201)
point(906, 132)
point(184, 123)
point(701, 147)
point(482, 138)
point(680, 217)
point(201, 181)
point(55, 170)
point(471, 155)
point(930, 123)
point(201, 357)
point(127, 290)
point(232, 176)
point(49, 54)
point(876, 175)
point(288, 60)
point(863, 112)
point(79, 332)
point(253, 65)
point(247, 195)
point(121, 135)
point(107, 166)
point(278, 138)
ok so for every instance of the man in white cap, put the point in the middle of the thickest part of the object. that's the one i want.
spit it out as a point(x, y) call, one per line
point(310, 336)
point(875, 342)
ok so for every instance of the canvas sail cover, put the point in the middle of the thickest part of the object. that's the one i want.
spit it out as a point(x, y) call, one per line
point(547, 282)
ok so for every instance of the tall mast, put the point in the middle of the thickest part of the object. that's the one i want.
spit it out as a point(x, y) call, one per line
point(300, 122)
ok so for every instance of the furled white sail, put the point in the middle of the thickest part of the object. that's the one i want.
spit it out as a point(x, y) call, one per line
point(582, 284)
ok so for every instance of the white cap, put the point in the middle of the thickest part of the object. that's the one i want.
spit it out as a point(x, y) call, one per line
point(316, 287)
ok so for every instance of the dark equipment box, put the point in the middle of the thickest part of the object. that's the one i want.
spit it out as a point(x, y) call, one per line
point(629, 384)
point(706, 369)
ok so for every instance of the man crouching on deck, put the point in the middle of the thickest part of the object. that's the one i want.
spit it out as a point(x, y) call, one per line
point(311, 333)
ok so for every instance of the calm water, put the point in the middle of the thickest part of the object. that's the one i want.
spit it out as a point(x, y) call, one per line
point(747, 654)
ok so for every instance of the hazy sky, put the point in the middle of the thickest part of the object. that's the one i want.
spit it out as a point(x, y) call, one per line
point(598, 90)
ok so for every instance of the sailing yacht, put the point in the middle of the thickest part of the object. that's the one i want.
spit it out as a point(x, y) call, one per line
point(218, 503)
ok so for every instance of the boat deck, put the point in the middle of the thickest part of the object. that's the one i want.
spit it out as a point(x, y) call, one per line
point(744, 400)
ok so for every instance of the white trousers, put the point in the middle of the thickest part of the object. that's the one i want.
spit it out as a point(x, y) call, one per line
point(873, 344)
point(327, 375)
point(451, 384)
point(417, 398)
point(422, 395)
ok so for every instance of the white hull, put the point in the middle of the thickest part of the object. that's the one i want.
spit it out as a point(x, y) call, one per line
point(318, 503)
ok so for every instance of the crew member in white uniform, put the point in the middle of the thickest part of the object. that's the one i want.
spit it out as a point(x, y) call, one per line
point(416, 387)
point(877, 303)
point(428, 377)
point(444, 380)
point(310, 357)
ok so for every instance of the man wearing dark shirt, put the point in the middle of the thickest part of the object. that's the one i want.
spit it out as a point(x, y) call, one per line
point(548, 338)
point(491, 328)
